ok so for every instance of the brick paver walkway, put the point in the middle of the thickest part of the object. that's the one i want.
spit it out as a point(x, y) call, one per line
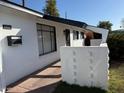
point(42, 81)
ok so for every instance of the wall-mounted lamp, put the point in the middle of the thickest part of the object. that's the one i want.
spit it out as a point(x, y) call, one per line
point(14, 40)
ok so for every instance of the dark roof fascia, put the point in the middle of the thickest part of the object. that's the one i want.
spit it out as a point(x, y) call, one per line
point(21, 6)
point(52, 18)
point(66, 21)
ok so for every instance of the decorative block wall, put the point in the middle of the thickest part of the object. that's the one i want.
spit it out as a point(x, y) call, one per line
point(85, 66)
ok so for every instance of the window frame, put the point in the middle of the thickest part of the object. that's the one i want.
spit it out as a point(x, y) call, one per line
point(41, 31)
point(81, 35)
point(75, 34)
point(97, 35)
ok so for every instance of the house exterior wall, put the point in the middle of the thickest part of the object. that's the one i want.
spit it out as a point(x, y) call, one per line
point(21, 60)
point(2, 83)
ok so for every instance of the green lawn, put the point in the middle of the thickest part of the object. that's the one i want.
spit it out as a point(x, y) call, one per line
point(116, 82)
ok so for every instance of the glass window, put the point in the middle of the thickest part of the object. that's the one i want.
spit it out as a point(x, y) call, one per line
point(53, 41)
point(40, 45)
point(46, 39)
point(75, 35)
point(97, 35)
point(81, 35)
point(46, 42)
point(46, 28)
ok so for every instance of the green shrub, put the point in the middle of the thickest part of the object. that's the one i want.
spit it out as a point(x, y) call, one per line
point(116, 44)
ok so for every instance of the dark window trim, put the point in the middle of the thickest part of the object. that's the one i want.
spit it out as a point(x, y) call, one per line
point(50, 39)
point(45, 25)
point(55, 39)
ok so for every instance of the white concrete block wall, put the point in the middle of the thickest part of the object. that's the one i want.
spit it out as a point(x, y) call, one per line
point(85, 66)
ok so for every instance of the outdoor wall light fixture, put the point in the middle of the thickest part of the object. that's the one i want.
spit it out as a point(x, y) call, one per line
point(14, 40)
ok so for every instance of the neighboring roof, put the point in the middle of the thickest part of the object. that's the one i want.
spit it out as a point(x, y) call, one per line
point(66, 21)
point(118, 30)
point(21, 8)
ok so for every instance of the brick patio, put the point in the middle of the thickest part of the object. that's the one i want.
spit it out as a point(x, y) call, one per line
point(42, 81)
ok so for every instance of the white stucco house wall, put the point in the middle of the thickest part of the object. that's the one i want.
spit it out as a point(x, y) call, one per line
point(33, 51)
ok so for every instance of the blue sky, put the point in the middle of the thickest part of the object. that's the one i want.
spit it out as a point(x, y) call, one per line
point(89, 11)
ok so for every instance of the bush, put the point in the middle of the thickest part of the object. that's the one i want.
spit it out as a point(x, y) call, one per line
point(116, 44)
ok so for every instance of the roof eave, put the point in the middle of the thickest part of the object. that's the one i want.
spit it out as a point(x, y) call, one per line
point(20, 8)
point(65, 21)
